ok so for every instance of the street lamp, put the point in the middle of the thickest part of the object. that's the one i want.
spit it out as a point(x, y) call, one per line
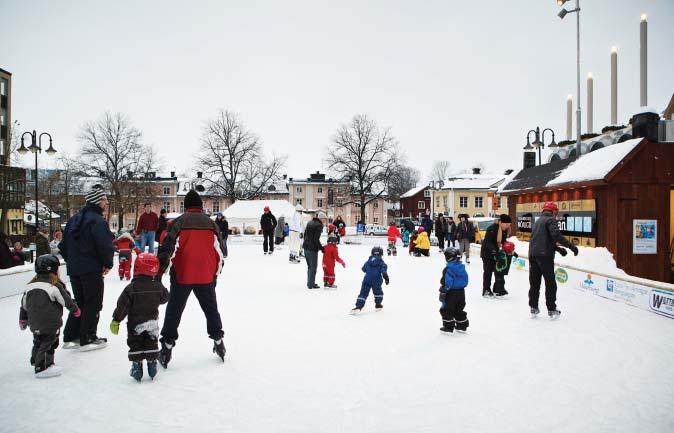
point(539, 141)
point(36, 147)
point(561, 15)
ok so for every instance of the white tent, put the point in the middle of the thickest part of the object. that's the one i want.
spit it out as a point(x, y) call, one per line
point(247, 213)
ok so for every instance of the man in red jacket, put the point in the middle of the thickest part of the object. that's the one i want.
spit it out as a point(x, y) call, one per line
point(193, 248)
point(146, 228)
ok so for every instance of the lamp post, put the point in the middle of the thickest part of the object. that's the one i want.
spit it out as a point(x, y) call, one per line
point(561, 15)
point(36, 147)
point(539, 141)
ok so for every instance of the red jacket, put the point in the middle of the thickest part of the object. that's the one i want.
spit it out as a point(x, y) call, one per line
point(330, 256)
point(124, 242)
point(193, 247)
point(147, 222)
point(393, 233)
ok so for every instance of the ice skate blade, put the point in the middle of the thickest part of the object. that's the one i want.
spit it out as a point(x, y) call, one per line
point(91, 347)
point(70, 345)
point(52, 371)
point(355, 312)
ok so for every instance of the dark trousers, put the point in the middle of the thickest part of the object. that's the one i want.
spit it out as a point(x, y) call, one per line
point(365, 291)
point(489, 268)
point(143, 345)
point(441, 241)
point(421, 252)
point(268, 243)
point(312, 264)
point(545, 267)
point(42, 355)
point(451, 238)
point(88, 291)
point(451, 311)
point(205, 294)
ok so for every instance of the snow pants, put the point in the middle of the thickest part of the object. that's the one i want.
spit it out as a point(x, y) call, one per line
point(329, 273)
point(451, 311)
point(542, 267)
point(125, 264)
point(42, 355)
point(88, 291)
point(421, 252)
point(143, 341)
point(312, 264)
point(391, 248)
point(268, 242)
point(489, 268)
point(205, 294)
point(365, 291)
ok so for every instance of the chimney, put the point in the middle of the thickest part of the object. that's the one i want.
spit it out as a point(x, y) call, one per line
point(476, 170)
point(646, 125)
point(173, 174)
point(643, 60)
point(590, 101)
point(199, 174)
point(569, 118)
point(614, 86)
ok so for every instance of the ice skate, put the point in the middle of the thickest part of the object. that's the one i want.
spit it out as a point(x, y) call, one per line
point(355, 311)
point(330, 286)
point(219, 349)
point(165, 354)
point(554, 314)
point(136, 370)
point(447, 329)
point(71, 345)
point(152, 369)
point(534, 312)
point(378, 307)
point(51, 371)
point(94, 343)
point(487, 294)
point(501, 294)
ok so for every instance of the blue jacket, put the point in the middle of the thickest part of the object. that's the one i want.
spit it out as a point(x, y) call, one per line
point(87, 242)
point(374, 268)
point(454, 276)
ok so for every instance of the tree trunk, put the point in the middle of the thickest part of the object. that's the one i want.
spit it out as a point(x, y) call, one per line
point(362, 208)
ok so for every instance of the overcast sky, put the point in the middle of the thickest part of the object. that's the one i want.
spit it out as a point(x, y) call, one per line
point(462, 81)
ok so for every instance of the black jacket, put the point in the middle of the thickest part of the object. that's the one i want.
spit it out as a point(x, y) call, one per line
point(545, 236)
point(427, 223)
point(41, 245)
point(490, 247)
point(267, 222)
point(161, 226)
point(140, 300)
point(312, 235)
point(440, 227)
point(465, 231)
point(87, 242)
point(42, 305)
point(223, 225)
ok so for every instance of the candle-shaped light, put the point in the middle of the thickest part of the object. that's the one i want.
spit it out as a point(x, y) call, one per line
point(590, 101)
point(569, 117)
point(614, 86)
point(643, 60)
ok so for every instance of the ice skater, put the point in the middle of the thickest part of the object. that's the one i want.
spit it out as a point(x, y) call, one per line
point(452, 292)
point(375, 271)
point(393, 235)
point(125, 244)
point(490, 250)
point(330, 256)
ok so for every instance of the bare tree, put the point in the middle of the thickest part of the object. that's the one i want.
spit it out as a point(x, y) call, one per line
point(402, 179)
point(366, 156)
point(112, 150)
point(232, 161)
point(440, 171)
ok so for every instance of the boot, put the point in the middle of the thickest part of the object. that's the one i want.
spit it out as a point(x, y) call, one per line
point(554, 314)
point(165, 354)
point(219, 349)
point(152, 368)
point(136, 370)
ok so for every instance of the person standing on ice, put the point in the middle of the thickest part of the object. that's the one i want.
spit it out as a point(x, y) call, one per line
point(147, 226)
point(465, 234)
point(441, 231)
point(341, 227)
point(296, 227)
point(392, 236)
point(223, 225)
point(193, 248)
point(452, 292)
point(268, 224)
point(490, 247)
point(312, 245)
point(375, 271)
point(330, 256)
point(545, 236)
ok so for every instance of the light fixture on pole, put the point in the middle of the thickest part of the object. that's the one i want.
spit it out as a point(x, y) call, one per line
point(539, 141)
point(561, 15)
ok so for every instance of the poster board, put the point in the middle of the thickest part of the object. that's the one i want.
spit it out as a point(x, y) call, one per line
point(577, 220)
point(644, 236)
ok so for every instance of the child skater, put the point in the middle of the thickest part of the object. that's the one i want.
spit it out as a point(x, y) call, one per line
point(503, 260)
point(406, 237)
point(140, 300)
point(125, 244)
point(330, 256)
point(452, 292)
point(393, 234)
point(42, 309)
point(375, 269)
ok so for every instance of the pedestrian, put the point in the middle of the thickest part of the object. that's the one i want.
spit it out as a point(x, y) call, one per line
point(147, 226)
point(413, 240)
point(441, 231)
point(422, 245)
point(545, 235)
point(54, 244)
point(223, 226)
point(6, 255)
point(341, 228)
point(330, 256)
point(42, 242)
point(125, 245)
point(140, 301)
point(375, 271)
point(268, 224)
point(88, 251)
point(296, 228)
point(312, 245)
point(42, 309)
point(452, 292)
point(490, 249)
point(427, 223)
point(161, 225)
point(19, 255)
point(193, 248)
point(278, 230)
point(465, 234)
point(451, 231)
point(392, 236)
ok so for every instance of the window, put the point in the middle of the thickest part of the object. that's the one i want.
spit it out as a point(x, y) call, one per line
point(130, 223)
point(320, 190)
point(444, 202)
point(479, 201)
point(182, 207)
point(421, 204)
point(375, 205)
point(319, 203)
point(427, 194)
point(498, 201)
point(167, 190)
point(298, 189)
point(167, 206)
point(437, 201)
point(463, 202)
point(216, 206)
point(376, 220)
point(298, 201)
point(3, 87)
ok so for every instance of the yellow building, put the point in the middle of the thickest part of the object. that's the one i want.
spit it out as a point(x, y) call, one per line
point(472, 194)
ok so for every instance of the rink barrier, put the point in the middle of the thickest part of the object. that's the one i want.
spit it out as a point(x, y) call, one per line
point(649, 295)
point(13, 280)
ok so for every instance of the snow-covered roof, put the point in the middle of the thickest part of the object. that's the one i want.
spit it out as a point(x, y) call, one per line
point(414, 191)
point(595, 165)
point(473, 182)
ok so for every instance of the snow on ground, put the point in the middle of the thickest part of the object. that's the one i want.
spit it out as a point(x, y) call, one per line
point(297, 362)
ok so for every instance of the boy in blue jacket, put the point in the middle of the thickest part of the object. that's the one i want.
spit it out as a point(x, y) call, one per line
point(452, 292)
point(375, 270)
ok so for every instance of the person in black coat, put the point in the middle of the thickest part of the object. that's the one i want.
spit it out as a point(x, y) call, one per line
point(451, 231)
point(490, 247)
point(465, 234)
point(427, 223)
point(312, 245)
point(223, 225)
point(161, 225)
point(268, 224)
point(441, 231)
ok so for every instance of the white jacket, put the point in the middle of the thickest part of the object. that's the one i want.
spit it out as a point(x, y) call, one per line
point(297, 223)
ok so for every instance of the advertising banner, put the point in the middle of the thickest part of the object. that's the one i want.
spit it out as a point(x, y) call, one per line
point(644, 237)
point(577, 220)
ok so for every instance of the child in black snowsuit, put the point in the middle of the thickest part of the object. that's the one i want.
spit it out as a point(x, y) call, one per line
point(452, 292)
point(42, 309)
point(140, 300)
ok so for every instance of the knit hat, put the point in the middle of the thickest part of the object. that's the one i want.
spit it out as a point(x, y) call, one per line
point(193, 199)
point(95, 195)
point(322, 216)
point(505, 218)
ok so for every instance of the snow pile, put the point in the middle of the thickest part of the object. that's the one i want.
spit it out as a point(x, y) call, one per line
point(595, 165)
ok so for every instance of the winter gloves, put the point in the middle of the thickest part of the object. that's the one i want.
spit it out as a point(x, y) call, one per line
point(561, 251)
point(114, 327)
point(341, 262)
point(385, 276)
point(77, 312)
point(23, 324)
point(574, 249)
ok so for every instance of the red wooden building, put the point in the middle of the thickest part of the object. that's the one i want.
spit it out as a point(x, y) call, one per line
point(416, 202)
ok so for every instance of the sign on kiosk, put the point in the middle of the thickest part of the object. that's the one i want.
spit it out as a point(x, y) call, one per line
point(644, 236)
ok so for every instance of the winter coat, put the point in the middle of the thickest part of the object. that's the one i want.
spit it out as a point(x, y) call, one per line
point(545, 235)
point(6, 260)
point(42, 245)
point(374, 268)
point(440, 227)
point(267, 222)
point(393, 233)
point(465, 230)
point(312, 235)
point(330, 256)
point(422, 242)
point(406, 235)
point(147, 222)
point(341, 226)
point(161, 226)
point(140, 300)
point(427, 223)
point(297, 223)
point(194, 248)
point(454, 276)
point(490, 245)
point(87, 242)
point(42, 305)
point(451, 228)
point(278, 231)
point(223, 226)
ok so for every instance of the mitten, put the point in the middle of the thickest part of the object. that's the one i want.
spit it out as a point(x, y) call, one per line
point(78, 312)
point(385, 278)
point(23, 324)
point(341, 262)
point(574, 249)
point(561, 251)
point(114, 327)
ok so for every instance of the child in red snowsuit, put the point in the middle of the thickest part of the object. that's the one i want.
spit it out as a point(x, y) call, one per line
point(330, 256)
point(393, 235)
point(125, 244)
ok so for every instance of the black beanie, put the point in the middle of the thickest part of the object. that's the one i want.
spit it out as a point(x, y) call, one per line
point(505, 218)
point(192, 200)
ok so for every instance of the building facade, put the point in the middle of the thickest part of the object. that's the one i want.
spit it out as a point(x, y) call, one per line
point(416, 202)
point(5, 116)
point(472, 194)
